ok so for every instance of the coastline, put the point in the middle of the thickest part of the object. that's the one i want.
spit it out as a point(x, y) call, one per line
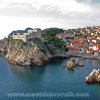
point(86, 56)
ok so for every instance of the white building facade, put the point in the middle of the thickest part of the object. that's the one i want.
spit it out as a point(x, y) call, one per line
point(33, 33)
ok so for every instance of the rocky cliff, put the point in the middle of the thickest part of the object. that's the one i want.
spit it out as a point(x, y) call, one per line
point(4, 45)
point(33, 52)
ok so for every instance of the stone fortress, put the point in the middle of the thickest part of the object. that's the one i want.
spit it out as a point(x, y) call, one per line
point(26, 34)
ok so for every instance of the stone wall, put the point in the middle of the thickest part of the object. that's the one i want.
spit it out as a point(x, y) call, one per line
point(25, 36)
point(21, 37)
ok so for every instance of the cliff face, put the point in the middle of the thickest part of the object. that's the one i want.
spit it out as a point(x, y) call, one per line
point(33, 52)
point(20, 53)
point(4, 45)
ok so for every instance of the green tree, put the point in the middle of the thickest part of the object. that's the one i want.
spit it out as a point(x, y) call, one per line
point(51, 32)
point(49, 35)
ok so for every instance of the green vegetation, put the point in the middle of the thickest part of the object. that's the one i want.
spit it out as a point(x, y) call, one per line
point(51, 32)
point(16, 41)
point(42, 50)
point(49, 35)
point(34, 42)
point(85, 32)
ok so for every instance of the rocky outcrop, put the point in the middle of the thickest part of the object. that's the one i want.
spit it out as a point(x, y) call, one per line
point(24, 55)
point(31, 52)
point(93, 77)
point(74, 62)
point(70, 64)
point(4, 45)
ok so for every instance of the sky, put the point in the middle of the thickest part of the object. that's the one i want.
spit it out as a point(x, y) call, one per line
point(20, 14)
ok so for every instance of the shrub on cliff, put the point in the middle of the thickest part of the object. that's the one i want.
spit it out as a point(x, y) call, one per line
point(16, 41)
point(42, 50)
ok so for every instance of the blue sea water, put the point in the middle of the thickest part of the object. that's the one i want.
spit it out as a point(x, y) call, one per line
point(50, 78)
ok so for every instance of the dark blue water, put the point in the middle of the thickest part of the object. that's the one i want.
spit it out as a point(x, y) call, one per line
point(51, 78)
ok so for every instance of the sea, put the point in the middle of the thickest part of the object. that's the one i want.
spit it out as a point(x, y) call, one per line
point(51, 81)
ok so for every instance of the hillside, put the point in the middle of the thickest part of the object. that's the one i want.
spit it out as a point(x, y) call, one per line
point(34, 51)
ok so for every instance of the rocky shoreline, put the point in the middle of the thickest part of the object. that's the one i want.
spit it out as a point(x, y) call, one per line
point(18, 52)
